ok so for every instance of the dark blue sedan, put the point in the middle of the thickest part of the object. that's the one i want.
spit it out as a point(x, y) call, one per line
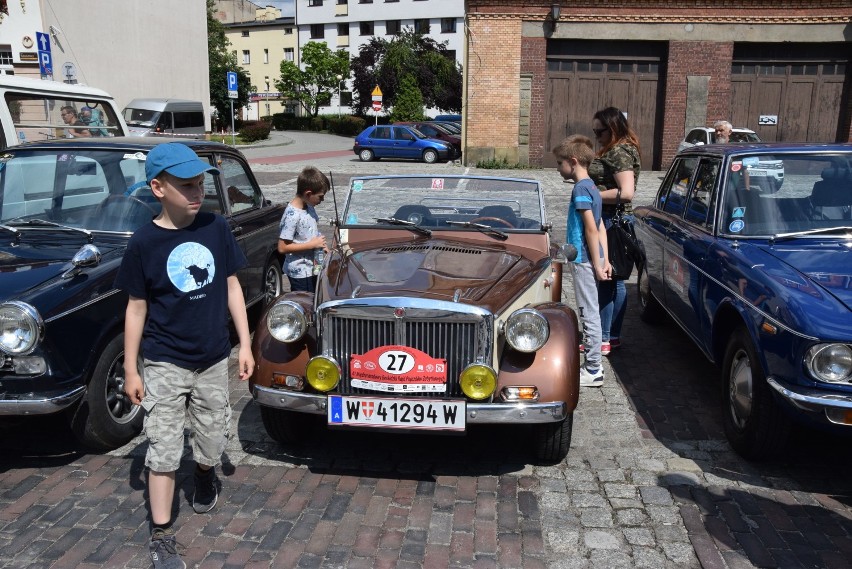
point(398, 141)
point(67, 210)
point(761, 280)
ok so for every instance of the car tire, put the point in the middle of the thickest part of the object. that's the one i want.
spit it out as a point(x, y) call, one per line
point(650, 310)
point(366, 155)
point(430, 156)
point(272, 281)
point(756, 427)
point(553, 440)
point(288, 427)
point(106, 419)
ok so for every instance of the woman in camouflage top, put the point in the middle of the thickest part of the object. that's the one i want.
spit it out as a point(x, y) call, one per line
point(615, 169)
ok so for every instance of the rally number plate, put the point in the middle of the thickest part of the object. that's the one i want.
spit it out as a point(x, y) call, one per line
point(397, 413)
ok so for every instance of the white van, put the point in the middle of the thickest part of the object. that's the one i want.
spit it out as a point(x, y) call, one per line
point(33, 109)
point(165, 117)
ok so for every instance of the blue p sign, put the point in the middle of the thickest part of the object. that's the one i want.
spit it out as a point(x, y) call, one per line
point(232, 81)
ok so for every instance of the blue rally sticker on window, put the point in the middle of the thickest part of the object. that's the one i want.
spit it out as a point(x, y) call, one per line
point(736, 226)
point(738, 212)
point(351, 219)
point(751, 161)
point(357, 185)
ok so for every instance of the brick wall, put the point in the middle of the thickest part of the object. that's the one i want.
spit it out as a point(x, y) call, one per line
point(712, 59)
point(533, 62)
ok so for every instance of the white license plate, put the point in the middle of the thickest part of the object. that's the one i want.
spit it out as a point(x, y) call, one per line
point(753, 172)
point(398, 413)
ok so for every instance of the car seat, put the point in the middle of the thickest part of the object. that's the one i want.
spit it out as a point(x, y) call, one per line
point(832, 196)
point(500, 212)
point(419, 214)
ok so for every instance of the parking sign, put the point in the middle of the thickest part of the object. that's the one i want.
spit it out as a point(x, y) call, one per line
point(232, 85)
point(45, 59)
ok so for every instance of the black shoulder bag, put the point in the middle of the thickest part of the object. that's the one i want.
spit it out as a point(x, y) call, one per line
point(622, 246)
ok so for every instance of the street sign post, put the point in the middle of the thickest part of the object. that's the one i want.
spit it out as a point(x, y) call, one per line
point(377, 102)
point(45, 59)
point(232, 94)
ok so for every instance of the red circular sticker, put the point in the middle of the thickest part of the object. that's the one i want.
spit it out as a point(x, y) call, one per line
point(735, 167)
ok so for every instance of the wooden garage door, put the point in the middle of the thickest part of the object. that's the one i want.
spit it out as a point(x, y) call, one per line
point(800, 85)
point(584, 77)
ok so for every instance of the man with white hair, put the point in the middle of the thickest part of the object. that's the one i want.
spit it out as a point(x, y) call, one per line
point(723, 131)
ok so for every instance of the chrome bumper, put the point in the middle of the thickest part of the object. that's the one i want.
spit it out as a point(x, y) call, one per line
point(811, 400)
point(481, 413)
point(33, 405)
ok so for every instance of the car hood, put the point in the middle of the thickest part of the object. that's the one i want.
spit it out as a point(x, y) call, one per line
point(827, 263)
point(441, 269)
point(33, 267)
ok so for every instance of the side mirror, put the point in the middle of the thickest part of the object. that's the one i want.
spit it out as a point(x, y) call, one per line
point(566, 253)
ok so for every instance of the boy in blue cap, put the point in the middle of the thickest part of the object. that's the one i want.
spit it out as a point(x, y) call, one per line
point(180, 273)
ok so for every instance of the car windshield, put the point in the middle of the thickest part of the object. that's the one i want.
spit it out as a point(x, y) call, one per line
point(436, 203)
point(103, 190)
point(141, 117)
point(744, 137)
point(771, 195)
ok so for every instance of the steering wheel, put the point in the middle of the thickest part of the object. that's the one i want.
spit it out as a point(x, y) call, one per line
point(497, 219)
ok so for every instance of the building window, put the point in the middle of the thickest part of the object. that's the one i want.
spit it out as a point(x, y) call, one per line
point(392, 27)
point(343, 29)
point(245, 33)
point(288, 31)
point(391, 0)
point(366, 28)
point(448, 25)
point(449, 54)
point(314, 2)
point(266, 56)
point(421, 26)
point(343, 1)
point(246, 56)
point(317, 31)
point(365, 1)
point(6, 55)
point(289, 54)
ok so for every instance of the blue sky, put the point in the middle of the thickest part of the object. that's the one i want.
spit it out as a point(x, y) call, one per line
point(285, 5)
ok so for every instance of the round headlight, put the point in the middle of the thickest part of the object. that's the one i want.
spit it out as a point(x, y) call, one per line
point(21, 327)
point(286, 321)
point(478, 381)
point(830, 362)
point(527, 330)
point(323, 373)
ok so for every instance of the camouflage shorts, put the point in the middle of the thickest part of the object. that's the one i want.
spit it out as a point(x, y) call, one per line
point(167, 389)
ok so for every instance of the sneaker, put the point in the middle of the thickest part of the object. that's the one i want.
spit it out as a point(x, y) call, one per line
point(605, 348)
point(588, 379)
point(206, 491)
point(615, 343)
point(163, 550)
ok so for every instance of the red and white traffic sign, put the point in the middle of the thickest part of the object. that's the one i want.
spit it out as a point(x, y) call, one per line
point(377, 106)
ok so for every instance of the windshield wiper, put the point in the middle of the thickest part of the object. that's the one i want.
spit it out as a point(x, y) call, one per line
point(407, 224)
point(496, 233)
point(44, 223)
point(820, 231)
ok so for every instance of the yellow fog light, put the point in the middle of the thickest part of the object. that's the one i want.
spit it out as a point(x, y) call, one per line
point(478, 381)
point(323, 373)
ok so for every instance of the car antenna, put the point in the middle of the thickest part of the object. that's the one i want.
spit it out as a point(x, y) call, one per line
point(336, 213)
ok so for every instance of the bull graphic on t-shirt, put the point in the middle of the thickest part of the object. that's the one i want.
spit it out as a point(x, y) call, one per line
point(201, 275)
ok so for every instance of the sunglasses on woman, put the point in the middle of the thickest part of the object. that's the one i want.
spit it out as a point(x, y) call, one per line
point(599, 131)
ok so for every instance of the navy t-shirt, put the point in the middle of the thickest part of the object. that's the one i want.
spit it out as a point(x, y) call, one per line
point(183, 274)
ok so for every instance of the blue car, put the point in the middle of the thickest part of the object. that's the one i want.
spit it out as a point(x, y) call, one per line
point(761, 280)
point(398, 141)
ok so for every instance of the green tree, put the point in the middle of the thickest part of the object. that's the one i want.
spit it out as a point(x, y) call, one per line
point(384, 63)
point(313, 85)
point(409, 101)
point(222, 60)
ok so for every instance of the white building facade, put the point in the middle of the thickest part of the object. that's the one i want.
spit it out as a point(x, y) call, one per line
point(156, 48)
point(349, 24)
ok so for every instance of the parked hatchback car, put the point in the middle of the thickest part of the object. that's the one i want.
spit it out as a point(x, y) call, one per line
point(761, 282)
point(437, 130)
point(437, 309)
point(767, 172)
point(394, 141)
point(67, 210)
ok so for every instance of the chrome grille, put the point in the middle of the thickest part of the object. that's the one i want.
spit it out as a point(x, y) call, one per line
point(353, 327)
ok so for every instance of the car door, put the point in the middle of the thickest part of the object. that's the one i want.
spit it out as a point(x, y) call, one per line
point(689, 237)
point(381, 142)
point(253, 221)
point(405, 143)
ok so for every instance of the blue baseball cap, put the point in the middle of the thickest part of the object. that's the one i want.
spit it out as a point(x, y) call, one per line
point(177, 159)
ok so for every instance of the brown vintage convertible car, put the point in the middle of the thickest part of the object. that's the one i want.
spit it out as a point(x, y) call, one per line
point(437, 308)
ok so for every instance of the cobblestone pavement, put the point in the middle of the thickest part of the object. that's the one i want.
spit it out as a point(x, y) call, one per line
point(649, 481)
